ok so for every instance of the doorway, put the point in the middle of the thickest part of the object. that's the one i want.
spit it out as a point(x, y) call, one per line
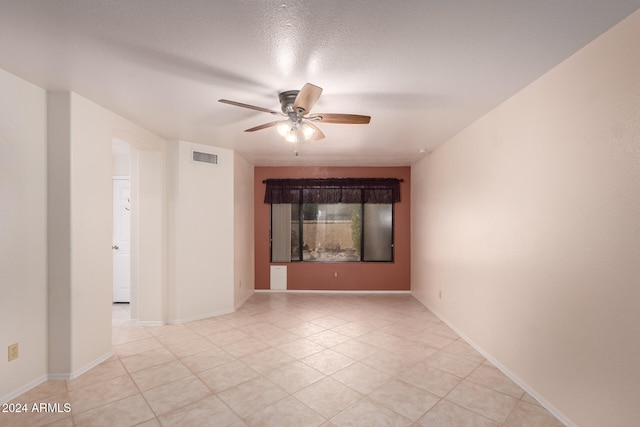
point(138, 232)
point(121, 240)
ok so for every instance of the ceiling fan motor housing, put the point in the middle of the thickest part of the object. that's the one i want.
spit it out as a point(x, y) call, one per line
point(287, 100)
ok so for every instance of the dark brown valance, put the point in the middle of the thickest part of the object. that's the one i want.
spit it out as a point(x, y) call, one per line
point(332, 190)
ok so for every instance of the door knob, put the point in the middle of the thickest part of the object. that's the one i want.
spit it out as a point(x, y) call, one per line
point(115, 247)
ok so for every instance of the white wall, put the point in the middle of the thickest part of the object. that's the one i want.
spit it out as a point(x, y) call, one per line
point(528, 223)
point(56, 169)
point(148, 221)
point(91, 232)
point(120, 166)
point(200, 232)
point(80, 213)
point(23, 304)
point(244, 256)
point(148, 269)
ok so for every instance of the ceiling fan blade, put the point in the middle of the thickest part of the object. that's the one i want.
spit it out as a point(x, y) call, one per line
point(252, 107)
point(307, 97)
point(264, 126)
point(318, 133)
point(345, 119)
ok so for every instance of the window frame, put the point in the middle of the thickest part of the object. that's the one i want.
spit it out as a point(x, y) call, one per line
point(301, 259)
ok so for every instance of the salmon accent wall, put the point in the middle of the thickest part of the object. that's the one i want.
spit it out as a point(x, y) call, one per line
point(360, 276)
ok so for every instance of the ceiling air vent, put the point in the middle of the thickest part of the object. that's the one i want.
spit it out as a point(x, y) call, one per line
point(199, 156)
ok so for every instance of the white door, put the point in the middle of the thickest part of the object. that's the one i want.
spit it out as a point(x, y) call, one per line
point(121, 240)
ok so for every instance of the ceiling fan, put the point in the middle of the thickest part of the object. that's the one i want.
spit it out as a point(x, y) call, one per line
point(296, 106)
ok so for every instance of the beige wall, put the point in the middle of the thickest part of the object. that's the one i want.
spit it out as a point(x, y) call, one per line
point(23, 304)
point(528, 221)
point(200, 232)
point(243, 241)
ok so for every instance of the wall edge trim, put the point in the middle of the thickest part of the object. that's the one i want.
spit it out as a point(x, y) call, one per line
point(320, 291)
point(544, 403)
point(89, 365)
point(245, 299)
point(25, 388)
point(200, 317)
point(150, 322)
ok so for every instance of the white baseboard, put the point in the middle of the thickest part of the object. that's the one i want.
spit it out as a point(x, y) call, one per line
point(192, 318)
point(301, 291)
point(59, 377)
point(89, 365)
point(25, 388)
point(245, 299)
point(556, 413)
point(150, 322)
point(200, 317)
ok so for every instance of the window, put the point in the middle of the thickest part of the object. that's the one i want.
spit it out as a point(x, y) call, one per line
point(310, 227)
point(335, 232)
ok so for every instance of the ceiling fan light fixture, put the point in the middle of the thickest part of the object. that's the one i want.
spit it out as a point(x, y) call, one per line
point(292, 137)
point(295, 132)
point(285, 127)
point(289, 130)
point(308, 131)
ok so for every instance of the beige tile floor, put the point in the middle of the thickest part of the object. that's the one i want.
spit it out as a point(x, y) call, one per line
point(291, 359)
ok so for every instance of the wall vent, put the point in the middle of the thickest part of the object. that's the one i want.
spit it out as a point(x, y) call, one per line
point(198, 156)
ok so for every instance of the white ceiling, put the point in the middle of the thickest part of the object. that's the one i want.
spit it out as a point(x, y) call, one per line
point(422, 69)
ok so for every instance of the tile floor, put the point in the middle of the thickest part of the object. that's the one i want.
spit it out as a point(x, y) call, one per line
point(291, 359)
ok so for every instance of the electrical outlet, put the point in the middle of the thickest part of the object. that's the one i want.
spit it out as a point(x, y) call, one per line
point(335, 274)
point(440, 294)
point(13, 352)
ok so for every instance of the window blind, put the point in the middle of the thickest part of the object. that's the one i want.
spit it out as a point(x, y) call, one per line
point(332, 190)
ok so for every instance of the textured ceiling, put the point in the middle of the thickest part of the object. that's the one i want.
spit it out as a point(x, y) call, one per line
point(423, 70)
